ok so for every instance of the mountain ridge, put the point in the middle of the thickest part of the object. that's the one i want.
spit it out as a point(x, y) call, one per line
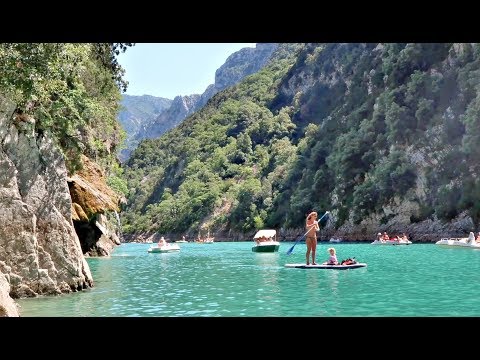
point(367, 131)
point(237, 66)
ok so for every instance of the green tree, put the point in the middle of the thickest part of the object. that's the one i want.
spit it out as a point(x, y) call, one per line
point(71, 90)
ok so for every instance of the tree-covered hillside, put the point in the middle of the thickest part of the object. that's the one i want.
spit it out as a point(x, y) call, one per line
point(69, 90)
point(358, 129)
point(237, 66)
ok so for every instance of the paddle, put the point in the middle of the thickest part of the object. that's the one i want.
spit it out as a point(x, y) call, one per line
point(296, 242)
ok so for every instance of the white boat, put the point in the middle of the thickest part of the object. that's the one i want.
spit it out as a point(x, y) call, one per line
point(164, 248)
point(333, 240)
point(391, 242)
point(207, 240)
point(459, 242)
point(266, 241)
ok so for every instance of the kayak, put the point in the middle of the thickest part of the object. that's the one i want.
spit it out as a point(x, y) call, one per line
point(330, 267)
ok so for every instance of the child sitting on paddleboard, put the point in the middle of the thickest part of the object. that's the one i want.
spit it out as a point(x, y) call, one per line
point(332, 260)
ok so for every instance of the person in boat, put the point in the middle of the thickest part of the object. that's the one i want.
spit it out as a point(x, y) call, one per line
point(380, 237)
point(471, 237)
point(404, 237)
point(332, 260)
point(385, 236)
point(311, 225)
point(478, 238)
point(260, 239)
point(162, 242)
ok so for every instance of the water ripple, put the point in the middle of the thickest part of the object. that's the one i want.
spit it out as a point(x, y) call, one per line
point(228, 279)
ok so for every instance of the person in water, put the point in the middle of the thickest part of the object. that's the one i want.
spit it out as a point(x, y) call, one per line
point(332, 260)
point(311, 225)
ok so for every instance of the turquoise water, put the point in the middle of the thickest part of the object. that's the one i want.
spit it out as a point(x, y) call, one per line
point(226, 279)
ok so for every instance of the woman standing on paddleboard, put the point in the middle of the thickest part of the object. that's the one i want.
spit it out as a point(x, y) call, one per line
point(311, 238)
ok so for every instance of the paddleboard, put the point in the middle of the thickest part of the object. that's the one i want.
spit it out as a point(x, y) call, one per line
point(331, 267)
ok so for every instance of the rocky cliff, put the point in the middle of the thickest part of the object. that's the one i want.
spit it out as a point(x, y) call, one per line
point(93, 204)
point(40, 249)
point(136, 112)
point(238, 66)
point(7, 305)
point(181, 107)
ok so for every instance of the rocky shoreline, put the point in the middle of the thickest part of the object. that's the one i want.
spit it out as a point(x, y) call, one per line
point(40, 250)
point(428, 231)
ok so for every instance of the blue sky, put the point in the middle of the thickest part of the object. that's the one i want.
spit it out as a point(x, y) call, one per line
point(168, 70)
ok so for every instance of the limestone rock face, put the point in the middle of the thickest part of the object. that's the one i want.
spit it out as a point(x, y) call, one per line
point(94, 210)
point(181, 107)
point(243, 63)
point(40, 252)
point(7, 305)
point(136, 112)
point(89, 192)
